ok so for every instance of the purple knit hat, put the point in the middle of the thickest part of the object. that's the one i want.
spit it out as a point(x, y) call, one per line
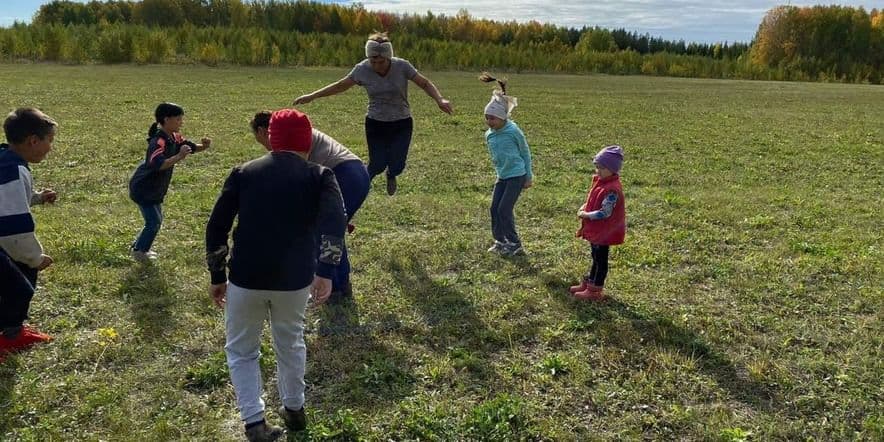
point(610, 157)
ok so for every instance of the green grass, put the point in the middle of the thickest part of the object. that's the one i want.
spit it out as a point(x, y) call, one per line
point(746, 303)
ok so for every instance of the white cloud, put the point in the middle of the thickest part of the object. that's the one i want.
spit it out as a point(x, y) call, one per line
point(692, 20)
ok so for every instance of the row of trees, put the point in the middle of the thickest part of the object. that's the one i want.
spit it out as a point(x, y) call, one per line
point(817, 39)
point(253, 46)
point(819, 43)
point(307, 17)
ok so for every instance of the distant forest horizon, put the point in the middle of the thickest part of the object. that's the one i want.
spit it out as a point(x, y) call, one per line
point(819, 43)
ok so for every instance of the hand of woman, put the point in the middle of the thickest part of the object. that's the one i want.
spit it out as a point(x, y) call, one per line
point(528, 184)
point(303, 99)
point(445, 106)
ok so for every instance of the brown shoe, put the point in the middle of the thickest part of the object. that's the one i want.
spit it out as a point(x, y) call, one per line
point(264, 432)
point(592, 293)
point(294, 420)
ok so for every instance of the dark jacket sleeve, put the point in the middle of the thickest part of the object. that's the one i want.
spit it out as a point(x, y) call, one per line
point(332, 224)
point(218, 228)
point(157, 152)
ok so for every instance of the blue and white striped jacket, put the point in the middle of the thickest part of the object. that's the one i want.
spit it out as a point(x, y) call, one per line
point(17, 238)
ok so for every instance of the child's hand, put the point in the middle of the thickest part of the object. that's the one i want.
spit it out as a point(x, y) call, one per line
point(218, 292)
point(184, 152)
point(48, 196)
point(47, 261)
point(320, 289)
point(206, 142)
point(581, 214)
point(528, 184)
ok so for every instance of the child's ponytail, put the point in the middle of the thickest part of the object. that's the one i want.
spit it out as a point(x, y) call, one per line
point(487, 78)
point(154, 129)
point(501, 104)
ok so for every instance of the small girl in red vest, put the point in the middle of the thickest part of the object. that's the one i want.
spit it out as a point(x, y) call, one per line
point(603, 220)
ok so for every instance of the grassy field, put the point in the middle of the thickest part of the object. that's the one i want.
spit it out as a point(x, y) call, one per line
point(746, 303)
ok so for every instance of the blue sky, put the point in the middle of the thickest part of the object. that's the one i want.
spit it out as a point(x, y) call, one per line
point(692, 20)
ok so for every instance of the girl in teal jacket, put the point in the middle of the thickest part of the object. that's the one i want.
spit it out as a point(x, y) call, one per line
point(511, 157)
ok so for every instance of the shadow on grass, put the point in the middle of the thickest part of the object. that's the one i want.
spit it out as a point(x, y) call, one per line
point(145, 290)
point(662, 331)
point(348, 367)
point(8, 378)
point(455, 327)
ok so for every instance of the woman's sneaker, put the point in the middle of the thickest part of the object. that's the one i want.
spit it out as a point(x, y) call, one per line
point(498, 247)
point(514, 250)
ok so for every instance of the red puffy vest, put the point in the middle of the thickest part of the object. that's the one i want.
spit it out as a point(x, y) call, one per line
point(611, 230)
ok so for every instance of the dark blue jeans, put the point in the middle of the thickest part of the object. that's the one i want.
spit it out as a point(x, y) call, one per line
point(388, 143)
point(354, 182)
point(153, 219)
point(17, 284)
point(503, 203)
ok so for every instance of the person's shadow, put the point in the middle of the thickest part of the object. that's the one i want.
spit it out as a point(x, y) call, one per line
point(597, 318)
point(8, 377)
point(346, 363)
point(451, 317)
point(150, 299)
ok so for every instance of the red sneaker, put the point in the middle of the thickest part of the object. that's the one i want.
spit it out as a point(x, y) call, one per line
point(26, 339)
point(40, 337)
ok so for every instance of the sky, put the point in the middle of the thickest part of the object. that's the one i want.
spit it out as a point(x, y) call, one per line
point(707, 21)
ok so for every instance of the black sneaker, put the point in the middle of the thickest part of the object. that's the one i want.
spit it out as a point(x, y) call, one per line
point(294, 420)
point(391, 185)
point(264, 432)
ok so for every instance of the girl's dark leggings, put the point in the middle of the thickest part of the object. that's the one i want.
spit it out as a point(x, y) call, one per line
point(599, 270)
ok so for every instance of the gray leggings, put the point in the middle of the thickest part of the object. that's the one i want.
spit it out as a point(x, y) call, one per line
point(503, 202)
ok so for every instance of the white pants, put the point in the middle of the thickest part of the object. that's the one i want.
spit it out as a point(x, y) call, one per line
point(245, 314)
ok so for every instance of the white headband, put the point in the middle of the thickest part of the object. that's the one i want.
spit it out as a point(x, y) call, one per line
point(501, 105)
point(374, 48)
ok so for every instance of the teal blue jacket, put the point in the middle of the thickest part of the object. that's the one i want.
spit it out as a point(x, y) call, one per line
point(509, 151)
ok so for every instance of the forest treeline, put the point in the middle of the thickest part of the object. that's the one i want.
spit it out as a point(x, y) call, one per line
point(820, 43)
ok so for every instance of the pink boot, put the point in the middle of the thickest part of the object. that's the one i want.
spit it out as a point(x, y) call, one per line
point(592, 293)
point(578, 288)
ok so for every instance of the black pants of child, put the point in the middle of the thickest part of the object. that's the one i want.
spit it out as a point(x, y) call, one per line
point(599, 270)
point(18, 282)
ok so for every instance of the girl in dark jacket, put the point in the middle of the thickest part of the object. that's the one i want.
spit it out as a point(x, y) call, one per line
point(150, 182)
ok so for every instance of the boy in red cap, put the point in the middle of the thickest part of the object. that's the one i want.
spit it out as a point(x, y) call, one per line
point(603, 220)
point(30, 134)
point(283, 203)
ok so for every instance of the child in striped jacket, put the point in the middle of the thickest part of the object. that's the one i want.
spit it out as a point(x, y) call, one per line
point(30, 134)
